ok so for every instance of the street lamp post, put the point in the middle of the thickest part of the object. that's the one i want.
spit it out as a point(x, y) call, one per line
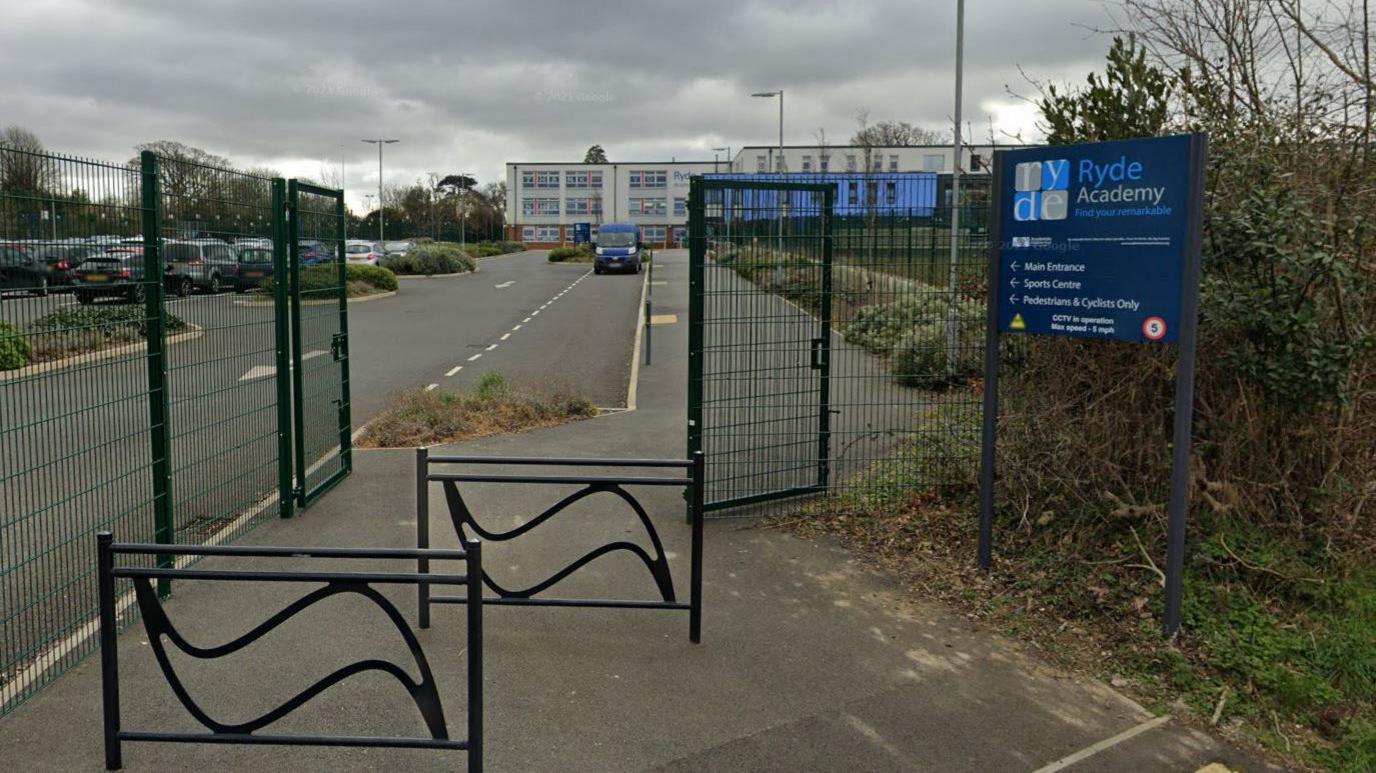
point(730, 165)
point(778, 167)
point(381, 237)
point(952, 321)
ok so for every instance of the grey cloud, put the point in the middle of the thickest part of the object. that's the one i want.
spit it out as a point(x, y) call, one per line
point(470, 85)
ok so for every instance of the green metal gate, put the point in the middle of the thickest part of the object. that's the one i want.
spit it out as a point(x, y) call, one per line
point(320, 339)
point(759, 363)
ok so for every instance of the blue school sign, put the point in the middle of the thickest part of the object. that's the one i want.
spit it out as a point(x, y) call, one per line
point(1093, 239)
point(1100, 241)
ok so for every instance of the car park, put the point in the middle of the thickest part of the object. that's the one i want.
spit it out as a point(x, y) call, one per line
point(21, 270)
point(361, 252)
point(204, 264)
point(255, 265)
point(618, 249)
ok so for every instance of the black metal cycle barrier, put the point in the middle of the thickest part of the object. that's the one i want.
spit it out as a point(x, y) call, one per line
point(657, 564)
point(156, 623)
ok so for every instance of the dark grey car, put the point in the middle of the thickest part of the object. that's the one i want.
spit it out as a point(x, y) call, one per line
point(20, 269)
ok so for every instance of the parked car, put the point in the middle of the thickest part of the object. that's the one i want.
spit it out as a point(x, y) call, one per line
point(20, 269)
point(114, 274)
point(398, 248)
point(312, 252)
point(255, 265)
point(252, 241)
point(62, 257)
point(618, 248)
point(205, 264)
point(363, 252)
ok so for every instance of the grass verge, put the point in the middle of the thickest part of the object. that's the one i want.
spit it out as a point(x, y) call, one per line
point(417, 417)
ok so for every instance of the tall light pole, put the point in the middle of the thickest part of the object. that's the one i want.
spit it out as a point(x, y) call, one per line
point(463, 208)
point(778, 167)
point(381, 237)
point(952, 323)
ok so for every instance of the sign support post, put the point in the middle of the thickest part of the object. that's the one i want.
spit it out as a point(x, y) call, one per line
point(1102, 241)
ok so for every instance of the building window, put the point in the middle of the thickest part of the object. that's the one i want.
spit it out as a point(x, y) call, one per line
point(528, 233)
point(850, 162)
point(853, 193)
point(893, 163)
point(760, 164)
point(653, 234)
point(646, 207)
point(577, 206)
point(933, 162)
point(891, 192)
point(582, 179)
point(547, 233)
point(539, 179)
point(877, 163)
point(807, 163)
point(680, 206)
point(527, 179)
point(539, 206)
point(825, 161)
point(649, 178)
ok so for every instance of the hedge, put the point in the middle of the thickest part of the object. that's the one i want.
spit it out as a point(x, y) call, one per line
point(575, 253)
point(431, 259)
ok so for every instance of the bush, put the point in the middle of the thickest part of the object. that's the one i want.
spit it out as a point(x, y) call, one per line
point(431, 259)
point(879, 328)
point(14, 349)
point(319, 282)
point(81, 329)
point(921, 358)
point(580, 253)
point(420, 417)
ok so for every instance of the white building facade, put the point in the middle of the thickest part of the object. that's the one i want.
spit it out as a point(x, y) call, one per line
point(547, 201)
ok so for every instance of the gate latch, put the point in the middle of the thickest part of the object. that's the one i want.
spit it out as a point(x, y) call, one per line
point(337, 346)
point(817, 353)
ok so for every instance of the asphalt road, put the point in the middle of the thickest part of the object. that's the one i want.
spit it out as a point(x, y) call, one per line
point(576, 330)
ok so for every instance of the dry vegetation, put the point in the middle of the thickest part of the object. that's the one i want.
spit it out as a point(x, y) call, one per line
point(421, 418)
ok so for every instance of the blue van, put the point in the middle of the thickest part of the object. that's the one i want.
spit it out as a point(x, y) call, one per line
point(618, 248)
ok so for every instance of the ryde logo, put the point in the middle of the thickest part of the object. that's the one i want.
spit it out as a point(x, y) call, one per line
point(1041, 190)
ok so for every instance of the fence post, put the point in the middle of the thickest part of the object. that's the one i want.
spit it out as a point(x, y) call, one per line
point(346, 447)
point(695, 580)
point(155, 315)
point(293, 279)
point(647, 331)
point(423, 531)
point(109, 653)
point(281, 287)
point(475, 655)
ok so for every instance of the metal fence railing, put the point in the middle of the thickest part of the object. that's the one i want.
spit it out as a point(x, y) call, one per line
point(139, 392)
point(889, 323)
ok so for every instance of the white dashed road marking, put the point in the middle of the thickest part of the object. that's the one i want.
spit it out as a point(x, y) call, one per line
point(504, 285)
point(490, 348)
point(453, 370)
point(474, 357)
point(505, 336)
point(432, 387)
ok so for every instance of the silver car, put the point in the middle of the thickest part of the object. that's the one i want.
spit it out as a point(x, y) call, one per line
point(206, 264)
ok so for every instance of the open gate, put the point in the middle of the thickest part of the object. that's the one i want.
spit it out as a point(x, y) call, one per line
point(322, 418)
point(759, 386)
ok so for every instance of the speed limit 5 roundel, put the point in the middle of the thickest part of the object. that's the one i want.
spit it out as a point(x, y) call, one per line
point(1154, 328)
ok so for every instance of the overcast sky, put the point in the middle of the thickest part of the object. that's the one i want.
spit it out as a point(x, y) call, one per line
point(469, 85)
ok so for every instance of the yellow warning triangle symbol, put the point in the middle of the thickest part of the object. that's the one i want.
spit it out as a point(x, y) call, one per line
point(1017, 323)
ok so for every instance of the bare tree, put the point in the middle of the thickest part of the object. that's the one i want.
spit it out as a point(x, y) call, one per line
point(23, 167)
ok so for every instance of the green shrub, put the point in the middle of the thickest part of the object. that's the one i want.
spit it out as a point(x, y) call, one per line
point(431, 259)
point(570, 252)
point(491, 385)
point(880, 327)
point(506, 247)
point(921, 359)
point(320, 282)
point(80, 329)
point(14, 349)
